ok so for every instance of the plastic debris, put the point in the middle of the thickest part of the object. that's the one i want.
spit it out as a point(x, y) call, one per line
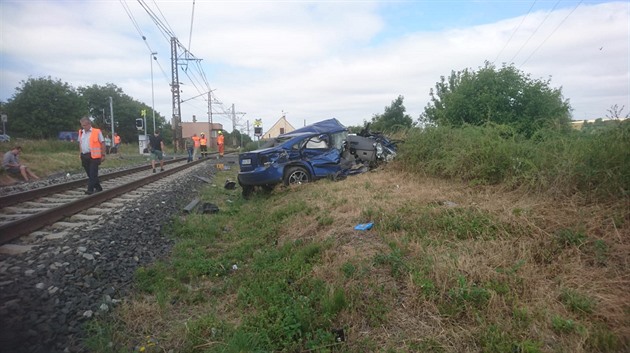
point(209, 208)
point(364, 226)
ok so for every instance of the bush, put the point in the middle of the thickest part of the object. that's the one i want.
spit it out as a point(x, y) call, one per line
point(595, 164)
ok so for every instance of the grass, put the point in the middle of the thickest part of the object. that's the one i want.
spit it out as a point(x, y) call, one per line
point(521, 248)
point(447, 268)
point(37, 156)
point(594, 164)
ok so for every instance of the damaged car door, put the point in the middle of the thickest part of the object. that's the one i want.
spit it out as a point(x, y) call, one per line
point(322, 155)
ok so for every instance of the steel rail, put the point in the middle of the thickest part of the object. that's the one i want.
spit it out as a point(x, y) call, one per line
point(13, 230)
point(12, 199)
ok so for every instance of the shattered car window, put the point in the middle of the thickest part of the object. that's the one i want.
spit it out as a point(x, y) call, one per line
point(279, 141)
point(338, 139)
point(317, 142)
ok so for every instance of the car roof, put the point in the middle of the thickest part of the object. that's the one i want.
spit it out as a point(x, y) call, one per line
point(325, 126)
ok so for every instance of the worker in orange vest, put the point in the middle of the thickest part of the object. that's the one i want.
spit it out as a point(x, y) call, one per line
point(116, 142)
point(196, 145)
point(203, 142)
point(92, 148)
point(220, 141)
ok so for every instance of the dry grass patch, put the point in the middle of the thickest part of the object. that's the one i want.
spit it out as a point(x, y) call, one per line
point(446, 268)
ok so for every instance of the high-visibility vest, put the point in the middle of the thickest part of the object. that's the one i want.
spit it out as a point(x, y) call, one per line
point(116, 139)
point(203, 141)
point(196, 140)
point(95, 144)
point(220, 139)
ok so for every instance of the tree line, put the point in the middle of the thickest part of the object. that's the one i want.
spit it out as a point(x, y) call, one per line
point(41, 107)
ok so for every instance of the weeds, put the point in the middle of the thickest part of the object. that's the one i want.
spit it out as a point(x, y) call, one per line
point(594, 164)
point(577, 302)
point(561, 325)
point(284, 272)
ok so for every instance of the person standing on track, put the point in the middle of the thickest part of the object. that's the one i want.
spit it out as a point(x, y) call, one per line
point(196, 145)
point(220, 143)
point(92, 148)
point(157, 147)
point(189, 144)
point(203, 144)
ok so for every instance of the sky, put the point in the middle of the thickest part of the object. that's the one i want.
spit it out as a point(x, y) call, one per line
point(314, 60)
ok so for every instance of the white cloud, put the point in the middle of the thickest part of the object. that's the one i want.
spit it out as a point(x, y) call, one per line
point(314, 60)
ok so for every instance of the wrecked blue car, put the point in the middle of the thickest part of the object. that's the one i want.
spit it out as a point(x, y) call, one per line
point(323, 149)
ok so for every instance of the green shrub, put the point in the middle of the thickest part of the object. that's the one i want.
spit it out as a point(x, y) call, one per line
point(566, 162)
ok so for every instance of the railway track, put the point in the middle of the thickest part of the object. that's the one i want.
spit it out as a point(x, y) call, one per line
point(25, 212)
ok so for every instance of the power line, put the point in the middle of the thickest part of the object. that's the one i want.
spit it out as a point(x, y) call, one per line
point(514, 32)
point(536, 30)
point(164, 18)
point(165, 29)
point(135, 24)
point(195, 72)
point(552, 32)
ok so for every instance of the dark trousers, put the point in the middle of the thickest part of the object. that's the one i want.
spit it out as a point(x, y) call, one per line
point(190, 154)
point(91, 169)
point(204, 150)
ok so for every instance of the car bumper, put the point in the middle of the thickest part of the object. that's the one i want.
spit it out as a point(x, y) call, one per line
point(261, 176)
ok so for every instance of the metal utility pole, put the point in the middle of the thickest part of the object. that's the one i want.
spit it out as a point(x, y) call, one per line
point(177, 112)
point(233, 125)
point(233, 118)
point(152, 93)
point(210, 116)
point(111, 110)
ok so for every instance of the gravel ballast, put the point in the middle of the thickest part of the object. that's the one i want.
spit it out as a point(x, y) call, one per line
point(48, 293)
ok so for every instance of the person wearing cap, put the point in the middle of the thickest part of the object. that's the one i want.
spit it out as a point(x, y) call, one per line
point(196, 144)
point(220, 141)
point(203, 144)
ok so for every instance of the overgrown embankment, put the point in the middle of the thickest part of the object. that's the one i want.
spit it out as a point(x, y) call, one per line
point(562, 163)
point(538, 266)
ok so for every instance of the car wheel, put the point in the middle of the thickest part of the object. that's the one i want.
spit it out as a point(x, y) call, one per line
point(247, 191)
point(296, 175)
point(268, 187)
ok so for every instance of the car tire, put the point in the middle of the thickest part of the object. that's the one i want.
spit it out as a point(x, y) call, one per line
point(268, 187)
point(247, 192)
point(296, 175)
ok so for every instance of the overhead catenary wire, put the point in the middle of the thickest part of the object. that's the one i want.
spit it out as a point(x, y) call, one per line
point(165, 29)
point(135, 24)
point(168, 25)
point(192, 71)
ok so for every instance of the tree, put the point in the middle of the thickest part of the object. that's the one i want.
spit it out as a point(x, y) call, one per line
point(616, 113)
point(393, 119)
point(505, 96)
point(42, 107)
point(126, 111)
point(238, 138)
